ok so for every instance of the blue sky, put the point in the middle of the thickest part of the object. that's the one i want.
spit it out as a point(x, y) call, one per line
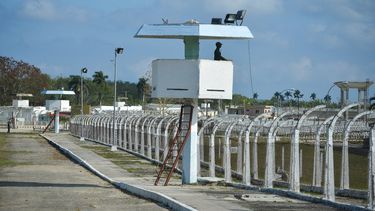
point(306, 45)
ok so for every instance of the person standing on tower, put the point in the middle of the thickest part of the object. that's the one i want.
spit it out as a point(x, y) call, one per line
point(217, 54)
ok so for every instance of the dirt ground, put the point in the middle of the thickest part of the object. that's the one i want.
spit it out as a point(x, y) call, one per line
point(35, 176)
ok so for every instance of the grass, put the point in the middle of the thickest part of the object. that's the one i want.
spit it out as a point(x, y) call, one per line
point(4, 154)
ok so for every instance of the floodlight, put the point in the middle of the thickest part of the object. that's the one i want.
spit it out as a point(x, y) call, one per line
point(240, 16)
point(230, 18)
point(216, 20)
point(119, 50)
point(84, 70)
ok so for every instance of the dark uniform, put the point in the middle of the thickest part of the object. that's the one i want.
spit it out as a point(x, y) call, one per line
point(9, 122)
point(217, 54)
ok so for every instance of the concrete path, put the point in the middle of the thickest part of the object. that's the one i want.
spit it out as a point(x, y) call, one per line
point(127, 169)
point(35, 176)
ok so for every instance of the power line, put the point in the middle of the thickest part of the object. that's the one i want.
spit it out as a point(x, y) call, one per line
point(251, 75)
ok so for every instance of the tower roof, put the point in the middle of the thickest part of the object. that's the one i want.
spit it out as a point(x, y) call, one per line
point(202, 31)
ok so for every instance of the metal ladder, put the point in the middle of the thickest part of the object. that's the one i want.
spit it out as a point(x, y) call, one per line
point(178, 143)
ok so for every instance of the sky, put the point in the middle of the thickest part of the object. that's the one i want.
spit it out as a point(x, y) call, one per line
point(301, 44)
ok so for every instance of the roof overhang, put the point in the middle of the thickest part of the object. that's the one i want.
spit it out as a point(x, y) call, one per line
point(202, 31)
point(354, 84)
point(57, 92)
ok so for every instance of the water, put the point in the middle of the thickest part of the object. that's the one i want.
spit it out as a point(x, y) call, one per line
point(358, 164)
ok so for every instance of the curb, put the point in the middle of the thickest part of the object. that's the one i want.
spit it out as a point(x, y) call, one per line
point(138, 191)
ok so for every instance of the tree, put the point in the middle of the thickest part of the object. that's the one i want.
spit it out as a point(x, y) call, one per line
point(100, 80)
point(313, 96)
point(75, 85)
point(297, 95)
point(255, 96)
point(143, 88)
point(288, 95)
point(327, 98)
point(21, 77)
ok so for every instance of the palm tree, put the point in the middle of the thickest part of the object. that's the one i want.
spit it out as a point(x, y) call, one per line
point(313, 96)
point(143, 88)
point(288, 95)
point(298, 95)
point(277, 95)
point(327, 98)
point(75, 85)
point(100, 79)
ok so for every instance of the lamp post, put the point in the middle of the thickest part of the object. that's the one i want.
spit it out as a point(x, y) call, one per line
point(114, 137)
point(83, 70)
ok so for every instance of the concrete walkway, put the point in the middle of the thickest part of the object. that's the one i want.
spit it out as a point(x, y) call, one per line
point(184, 197)
point(35, 176)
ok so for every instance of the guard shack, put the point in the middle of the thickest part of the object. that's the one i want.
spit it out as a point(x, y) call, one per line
point(192, 78)
point(58, 104)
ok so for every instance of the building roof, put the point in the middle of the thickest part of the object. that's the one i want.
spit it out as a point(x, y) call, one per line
point(354, 84)
point(57, 92)
point(203, 31)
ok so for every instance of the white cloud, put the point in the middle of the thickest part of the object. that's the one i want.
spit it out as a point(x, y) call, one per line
point(317, 28)
point(273, 38)
point(46, 10)
point(341, 71)
point(225, 6)
point(40, 9)
point(142, 67)
point(302, 69)
point(361, 32)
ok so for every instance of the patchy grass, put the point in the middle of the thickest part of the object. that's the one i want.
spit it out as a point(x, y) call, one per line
point(5, 154)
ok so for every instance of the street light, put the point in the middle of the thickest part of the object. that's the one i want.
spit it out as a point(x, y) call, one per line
point(83, 70)
point(114, 137)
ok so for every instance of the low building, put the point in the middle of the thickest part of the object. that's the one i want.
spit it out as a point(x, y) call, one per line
point(253, 110)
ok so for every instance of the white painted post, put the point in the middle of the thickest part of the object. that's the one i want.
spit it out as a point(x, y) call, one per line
point(211, 153)
point(227, 154)
point(270, 152)
point(344, 177)
point(270, 162)
point(189, 161)
point(300, 162)
point(57, 121)
point(255, 155)
point(344, 182)
point(318, 155)
point(239, 153)
point(371, 170)
point(329, 179)
point(295, 156)
point(246, 176)
point(227, 160)
point(282, 157)
point(130, 142)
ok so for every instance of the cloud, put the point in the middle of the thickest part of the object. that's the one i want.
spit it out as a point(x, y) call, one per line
point(225, 6)
point(302, 69)
point(40, 9)
point(142, 68)
point(254, 6)
point(46, 10)
point(273, 38)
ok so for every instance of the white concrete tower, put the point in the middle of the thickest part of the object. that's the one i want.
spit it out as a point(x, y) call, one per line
point(192, 78)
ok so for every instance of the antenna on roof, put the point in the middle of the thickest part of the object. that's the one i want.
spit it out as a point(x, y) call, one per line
point(165, 21)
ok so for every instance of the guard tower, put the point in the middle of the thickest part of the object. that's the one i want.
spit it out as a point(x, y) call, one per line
point(57, 105)
point(21, 103)
point(361, 86)
point(192, 78)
